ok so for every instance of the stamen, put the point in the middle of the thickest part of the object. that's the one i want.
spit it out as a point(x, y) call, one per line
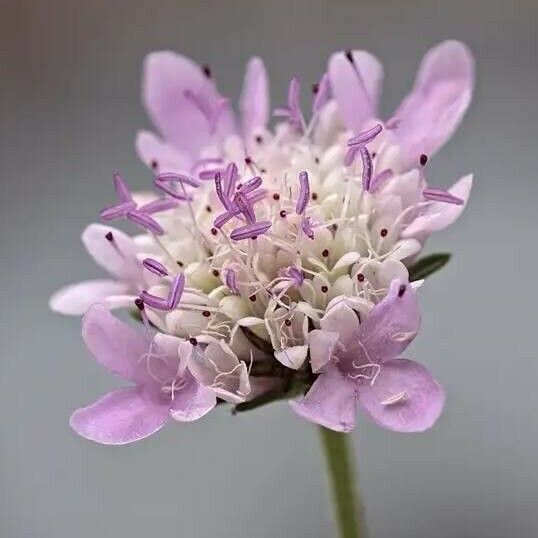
point(245, 207)
point(250, 231)
point(306, 226)
point(250, 185)
point(145, 221)
point(157, 303)
point(380, 178)
point(366, 168)
point(176, 291)
point(164, 204)
point(231, 281)
point(116, 211)
point(365, 137)
point(155, 267)
point(122, 191)
point(304, 193)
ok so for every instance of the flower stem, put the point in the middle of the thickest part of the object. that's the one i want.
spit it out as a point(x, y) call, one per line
point(348, 508)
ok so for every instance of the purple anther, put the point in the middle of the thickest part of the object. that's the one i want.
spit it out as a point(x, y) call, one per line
point(257, 196)
point(294, 273)
point(323, 93)
point(158, 303)
point(230, 179)
point(117, 211)
point(145, 221)
point(154, 267)
point(156, 206)
point(171, 178)
point(250, 185)
point(304, 193)
point(176, 291)
point(306, 226)
point(220, 192)
point(350, 155)
point(231, 281)
point(244, 205)
point(380, 178)
point(440, 195)
point(366, 168)
point(250, 231)
point(365, 137)
point(209, 174)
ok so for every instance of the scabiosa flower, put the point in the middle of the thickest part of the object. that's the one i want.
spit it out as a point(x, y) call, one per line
point(275, 262)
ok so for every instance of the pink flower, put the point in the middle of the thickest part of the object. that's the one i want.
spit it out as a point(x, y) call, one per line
point(163, 387)
point(360, 366)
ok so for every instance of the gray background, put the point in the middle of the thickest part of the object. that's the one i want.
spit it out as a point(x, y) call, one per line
point(69, 79)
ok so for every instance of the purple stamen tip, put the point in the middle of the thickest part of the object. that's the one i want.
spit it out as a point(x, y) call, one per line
point(176, 291)
point(250, 231)
point(365, 137)
point(440, 195)
point(250, 185)
point(157, 303)
point(163, 204)
point(306, 226)
point(117, 211)
point(244, 205)
point(304, 193)
point(231, 281)
point(350, 155)
point(366, 168)
point(155, 267)
point(380, 178)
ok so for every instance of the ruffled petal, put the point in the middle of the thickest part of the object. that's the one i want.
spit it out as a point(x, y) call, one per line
point(118, 259)
point(356, 86)
point(114, 344)
point(404, 398)
point(321, 344)
point(193, 401)
point(330, 402)
point(254, 102)
point(168, 80)
point(433, 110)
point(292, 357)
point(120, 417)
point(75, 299)
point(440, 214)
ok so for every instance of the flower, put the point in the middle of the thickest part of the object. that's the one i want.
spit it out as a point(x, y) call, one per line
point(360, 365)
point(275, 264)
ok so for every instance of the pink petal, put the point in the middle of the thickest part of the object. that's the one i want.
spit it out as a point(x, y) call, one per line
point(331, 401)
point(192, 402)
point(356, 86)
point(118, 258)
point(167, 76)
point(160, 156)
point(75, 299)
point(322, 344)
point(404, 397)
point(433, 110)
point(341, 319)
point(440, 215)
point(254, 102)
point(391, 325)
point(120, 417)
point(114, 344)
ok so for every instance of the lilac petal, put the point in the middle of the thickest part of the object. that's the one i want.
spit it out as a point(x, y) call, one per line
point(120, 417)
point(330, 402)
point(292, 357)
point(169, 79)
point(193, 401)
point(391, 325)
point(250, 231)
point(75, 299)
point(366, 168)
point(122, 191)
point(114, 344)
point(434, 108)
point(439, 215)
point(355, 86)
point(323, 93)
point(158, 155)
point(254, 101)
point(145, 221)
point(379, 179)
point(118, 259)
point(440, 195)
point(366, 136)
point(250, 185)
point(304, 193)
point(176, 291)
point(404, 398)
point(321, 344)
point(155, 267)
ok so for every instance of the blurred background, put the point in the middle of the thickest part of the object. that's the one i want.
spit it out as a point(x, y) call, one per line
point(70, 107)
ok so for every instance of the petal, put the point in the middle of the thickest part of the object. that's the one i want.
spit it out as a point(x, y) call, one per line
point(442, 92)
point(167, 76)
point(254, 102)
point(341, 319)
point(75, 299)
point(331, 401)
point(292, 357)
point(391, 325)
point(321, 344)
point(356, 86)
point(440, 214)
point(160, 156)
point(404, 398)
point(118, 259)
point(120, 417)
point(114, 344)
point(192, 402)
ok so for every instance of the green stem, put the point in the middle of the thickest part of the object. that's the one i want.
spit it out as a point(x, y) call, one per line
point(339, 458)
